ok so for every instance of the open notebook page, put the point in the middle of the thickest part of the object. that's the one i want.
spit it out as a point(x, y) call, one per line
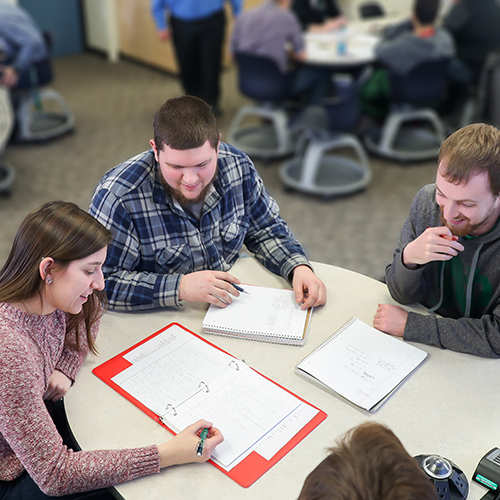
point(361, 364)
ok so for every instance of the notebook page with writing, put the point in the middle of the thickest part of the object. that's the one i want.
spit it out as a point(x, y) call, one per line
point(360, 363)
point(261, 313)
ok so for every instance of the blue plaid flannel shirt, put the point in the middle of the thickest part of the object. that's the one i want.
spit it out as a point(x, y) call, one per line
point(156, 242)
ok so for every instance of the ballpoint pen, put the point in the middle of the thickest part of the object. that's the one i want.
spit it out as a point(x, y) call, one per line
point(239, 288)
point(201, 443)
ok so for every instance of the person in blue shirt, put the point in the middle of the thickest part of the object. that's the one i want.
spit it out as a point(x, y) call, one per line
point(22, 47)
point(197, 29)
point(21, 44)
point(181, 213)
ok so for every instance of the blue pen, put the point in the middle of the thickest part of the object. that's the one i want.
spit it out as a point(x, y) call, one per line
point(201, 444)
point(242, 290)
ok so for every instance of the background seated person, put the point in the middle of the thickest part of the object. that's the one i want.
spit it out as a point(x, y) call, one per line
point(474, 27)
point(369, 463)
point(272, 30)
point(21, 45)
point(448, 255)
point(318, 15)
point(181, 212)
point(403, 47)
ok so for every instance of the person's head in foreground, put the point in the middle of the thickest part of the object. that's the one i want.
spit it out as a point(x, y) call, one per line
point(468, 180)
point(186, 144)
point(369, 463)
point(55, 263)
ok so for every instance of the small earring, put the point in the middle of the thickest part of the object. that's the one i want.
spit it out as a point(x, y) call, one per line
point(49, 280)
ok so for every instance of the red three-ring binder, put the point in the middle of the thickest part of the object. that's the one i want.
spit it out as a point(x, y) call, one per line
point(253, 466)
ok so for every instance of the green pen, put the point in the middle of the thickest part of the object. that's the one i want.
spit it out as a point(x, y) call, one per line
point(203, 436)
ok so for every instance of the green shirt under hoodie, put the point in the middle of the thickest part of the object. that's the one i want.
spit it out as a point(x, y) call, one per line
point(465, 290)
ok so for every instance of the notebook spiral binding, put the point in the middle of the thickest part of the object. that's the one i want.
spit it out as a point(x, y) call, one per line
point(330, 339)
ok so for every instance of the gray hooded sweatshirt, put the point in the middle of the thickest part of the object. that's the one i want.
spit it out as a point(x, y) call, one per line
point(401, 50)
point(464, 290)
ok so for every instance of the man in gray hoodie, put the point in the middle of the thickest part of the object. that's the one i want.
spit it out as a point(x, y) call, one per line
point(448, 256)
point(403, 47)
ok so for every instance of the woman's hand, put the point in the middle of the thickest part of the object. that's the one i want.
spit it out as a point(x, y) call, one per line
point(58, 386)
point(182, 448)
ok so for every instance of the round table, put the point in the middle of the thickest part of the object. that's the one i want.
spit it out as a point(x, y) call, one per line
point(447, 406)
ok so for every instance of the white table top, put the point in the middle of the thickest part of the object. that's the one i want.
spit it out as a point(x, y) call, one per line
point(447, 407)
point(360, 39)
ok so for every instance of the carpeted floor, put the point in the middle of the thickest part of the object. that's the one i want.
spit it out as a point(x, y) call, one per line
point(114, 105)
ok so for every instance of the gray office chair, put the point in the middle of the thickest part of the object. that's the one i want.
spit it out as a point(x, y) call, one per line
point(412, 130)
point(7, 172)
point(483, 100)
point(323, 130)
point(268, 134)
point(41, 112)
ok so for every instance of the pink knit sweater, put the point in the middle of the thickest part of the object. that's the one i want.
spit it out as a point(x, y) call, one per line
point(31, 347)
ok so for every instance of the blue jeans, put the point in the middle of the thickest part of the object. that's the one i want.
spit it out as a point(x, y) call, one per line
point(313, 81)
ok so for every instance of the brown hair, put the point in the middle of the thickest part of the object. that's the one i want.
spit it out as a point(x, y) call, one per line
point(64, 232)
point(474, 148)
point(185, 122)
point(369, 463)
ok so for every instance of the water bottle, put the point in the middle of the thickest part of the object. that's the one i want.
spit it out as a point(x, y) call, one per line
point(342, 41)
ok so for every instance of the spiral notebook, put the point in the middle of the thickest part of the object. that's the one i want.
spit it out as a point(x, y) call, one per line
point(261, 313)
point(361, 364)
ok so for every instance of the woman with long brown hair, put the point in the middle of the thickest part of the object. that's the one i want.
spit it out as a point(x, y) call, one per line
point(51, 301)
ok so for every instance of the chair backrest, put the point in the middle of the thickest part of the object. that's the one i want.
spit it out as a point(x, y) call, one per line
point(371, 9)
point(260, 78)
point(488, 101)
point(423, 84)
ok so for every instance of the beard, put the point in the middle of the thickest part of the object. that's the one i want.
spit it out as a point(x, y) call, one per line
point(466, 228)
point(177, 195)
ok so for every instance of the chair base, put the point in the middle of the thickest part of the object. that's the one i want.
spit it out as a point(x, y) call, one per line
point(409, 144)
point(400, 140)
point(269, 140)
point(40, 125)
point(328, 175)
point(7, 177)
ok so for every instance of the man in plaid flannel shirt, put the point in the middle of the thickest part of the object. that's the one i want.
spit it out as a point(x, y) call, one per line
point(181, 212)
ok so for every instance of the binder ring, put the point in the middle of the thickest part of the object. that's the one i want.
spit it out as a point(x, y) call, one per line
point(202, 385)
point(171, 407)
point(235, 365)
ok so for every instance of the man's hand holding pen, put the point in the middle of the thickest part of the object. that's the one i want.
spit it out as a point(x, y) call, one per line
point(214, 287)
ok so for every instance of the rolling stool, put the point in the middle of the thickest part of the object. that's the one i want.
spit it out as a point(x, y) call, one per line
point(261, 79)
point(7, 172)
point(398, 138)
point(313, 169)
point(41, 114)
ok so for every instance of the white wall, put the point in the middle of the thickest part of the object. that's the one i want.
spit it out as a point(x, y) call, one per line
point(101, 27)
